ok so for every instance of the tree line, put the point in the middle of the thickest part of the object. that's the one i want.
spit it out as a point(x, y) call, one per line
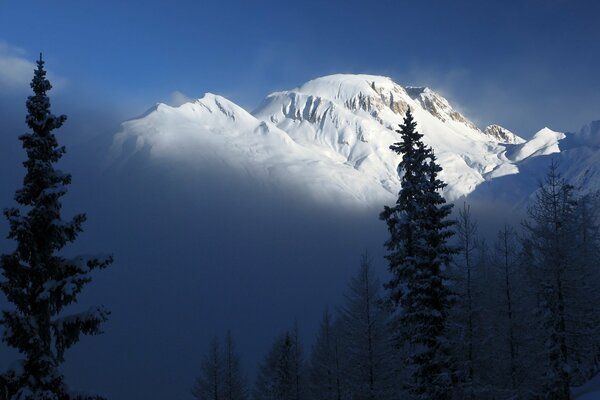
point(459, 318)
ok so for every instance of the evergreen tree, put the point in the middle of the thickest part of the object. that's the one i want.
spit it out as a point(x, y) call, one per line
point(326, 374)
point(234, 384)
point(209, 385)
point(276, 380)
point(366, 337)
point(38, 281)
point(418, 254)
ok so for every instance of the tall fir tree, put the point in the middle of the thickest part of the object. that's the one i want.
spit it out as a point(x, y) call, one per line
point(38, 281)
point(418, 255)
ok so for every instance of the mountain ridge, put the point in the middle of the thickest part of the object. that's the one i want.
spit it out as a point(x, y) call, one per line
point(330, 138)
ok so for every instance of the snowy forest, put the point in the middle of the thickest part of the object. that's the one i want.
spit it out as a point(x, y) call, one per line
point(458, 316)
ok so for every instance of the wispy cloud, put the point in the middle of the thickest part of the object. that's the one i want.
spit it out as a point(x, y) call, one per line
point(178, 98)
point(15, 69)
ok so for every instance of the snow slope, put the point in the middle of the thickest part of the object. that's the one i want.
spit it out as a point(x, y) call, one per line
point(213, 132)
point(577, 155)
point(330, 138)
point(543, 142)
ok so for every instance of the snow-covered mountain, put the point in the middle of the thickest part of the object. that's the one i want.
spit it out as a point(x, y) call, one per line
point(577, 155)
point(330, 138)
point(213, 132)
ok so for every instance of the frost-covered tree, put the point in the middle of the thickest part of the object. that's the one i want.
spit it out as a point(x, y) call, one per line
point(276, 380)
point(233, 380)
point(368, 349)
point(37, 280)
point(209, 385)
point(567, 287)
point(326, 373)
point(418, 253)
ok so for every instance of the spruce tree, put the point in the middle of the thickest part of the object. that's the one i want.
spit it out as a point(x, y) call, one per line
point(37, 280)
point(418, 253)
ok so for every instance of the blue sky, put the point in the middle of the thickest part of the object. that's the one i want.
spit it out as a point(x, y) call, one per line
point(524, 64)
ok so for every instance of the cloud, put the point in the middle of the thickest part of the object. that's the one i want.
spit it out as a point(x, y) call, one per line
point(177, 98)
point(15, 69)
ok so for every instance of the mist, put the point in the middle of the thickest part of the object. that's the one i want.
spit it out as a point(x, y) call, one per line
point(197, 252)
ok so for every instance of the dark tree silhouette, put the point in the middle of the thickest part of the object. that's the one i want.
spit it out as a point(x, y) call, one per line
point(39, 282)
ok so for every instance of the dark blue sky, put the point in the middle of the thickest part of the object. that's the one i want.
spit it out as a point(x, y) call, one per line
point(524, 64)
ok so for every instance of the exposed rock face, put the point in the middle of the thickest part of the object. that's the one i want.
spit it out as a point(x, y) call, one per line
point(503, 135)
point(438, 106)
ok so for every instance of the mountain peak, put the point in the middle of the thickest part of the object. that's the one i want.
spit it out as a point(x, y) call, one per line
point(375, 95)
point(344, 86)
point(352, 119)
